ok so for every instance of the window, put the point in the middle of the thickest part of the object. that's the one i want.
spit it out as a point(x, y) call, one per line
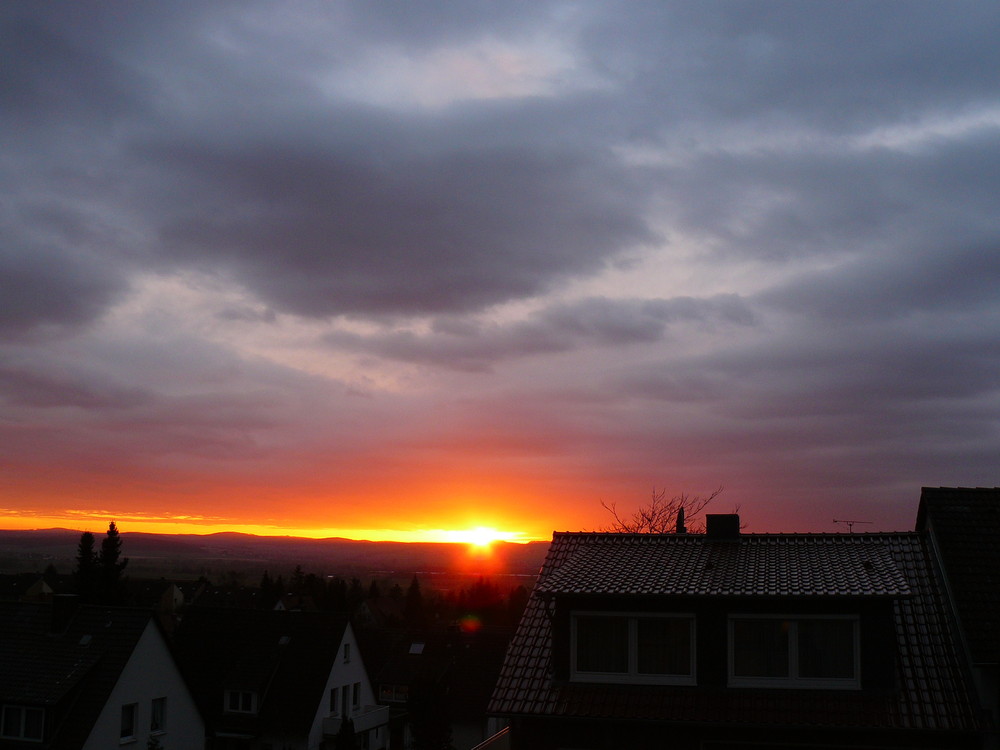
point(333, 701)
point(637, 647)
point(356, 695)
point(800, 652)
point(393, 693)
point(130, 712)
point(241, 702)
point(158, 715)
point(22, 723)
point(347, 652)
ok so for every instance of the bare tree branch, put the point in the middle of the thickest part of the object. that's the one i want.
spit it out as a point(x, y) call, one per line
point(659, 515)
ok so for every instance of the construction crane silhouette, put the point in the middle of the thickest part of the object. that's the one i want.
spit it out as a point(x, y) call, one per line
point(850, 524)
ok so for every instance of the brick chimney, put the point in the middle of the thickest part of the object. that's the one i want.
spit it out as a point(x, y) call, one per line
point(722, 525)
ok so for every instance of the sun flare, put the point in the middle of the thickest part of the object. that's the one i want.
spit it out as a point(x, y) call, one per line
point(482, 536)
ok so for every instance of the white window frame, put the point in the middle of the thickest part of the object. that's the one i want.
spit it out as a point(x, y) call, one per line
point(793, 680)
point(253, 702)
point(162, 703)
point(633, 675)
point(23, 721)
point(356, 696)
point(133, 708)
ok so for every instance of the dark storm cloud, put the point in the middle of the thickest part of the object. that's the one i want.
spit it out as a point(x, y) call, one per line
point(588, 323)
point(831, 67)
point(47, 78)
point(320, 234)
point(44, 284)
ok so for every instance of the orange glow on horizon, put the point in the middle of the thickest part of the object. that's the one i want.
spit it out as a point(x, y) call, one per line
point(479, 538)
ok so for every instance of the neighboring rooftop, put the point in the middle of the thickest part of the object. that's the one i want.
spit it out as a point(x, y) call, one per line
point(965, 524)
point(78, 661)
point(686, 565)
point(285, 657)
point(931, 690)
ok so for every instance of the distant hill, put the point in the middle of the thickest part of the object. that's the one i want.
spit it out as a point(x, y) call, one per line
point(194, 554)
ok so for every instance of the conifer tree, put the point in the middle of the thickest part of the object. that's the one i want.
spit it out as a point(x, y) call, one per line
point(85, 574)
point(413, 608)
point(110, 565)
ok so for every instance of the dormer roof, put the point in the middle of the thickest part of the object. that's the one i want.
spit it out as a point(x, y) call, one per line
point(799, 565)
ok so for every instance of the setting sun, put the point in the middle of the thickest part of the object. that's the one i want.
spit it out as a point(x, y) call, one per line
point(482, 536)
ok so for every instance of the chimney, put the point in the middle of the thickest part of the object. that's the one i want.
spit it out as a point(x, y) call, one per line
point(63, 608)
point(681, 528)
point(722, 525)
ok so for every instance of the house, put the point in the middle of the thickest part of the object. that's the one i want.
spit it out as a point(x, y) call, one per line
point(963, 525)
point(458, 668)
point(90, 677)
point(278, 680)
point(727, 640)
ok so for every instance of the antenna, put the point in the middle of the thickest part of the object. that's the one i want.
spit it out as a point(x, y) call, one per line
point(850, 524)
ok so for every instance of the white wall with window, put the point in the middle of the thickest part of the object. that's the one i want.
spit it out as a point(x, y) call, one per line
point(639, 647)
point(347, 692)
point(150, 691)
point(795, 651)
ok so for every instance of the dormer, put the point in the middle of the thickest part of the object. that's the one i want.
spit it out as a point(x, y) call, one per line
point(728, 611)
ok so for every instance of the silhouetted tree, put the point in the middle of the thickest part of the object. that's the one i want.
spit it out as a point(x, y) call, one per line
point(355, 595)
point(413, 608)
point(110, 565)
point(373, 590)
point(268, 593)
point(430, 715)
point(516, 602)
point(298, 583)
point(85, 573)
point(661, 514)
point(336, 594)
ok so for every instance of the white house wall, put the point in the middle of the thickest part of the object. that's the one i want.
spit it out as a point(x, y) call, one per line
point(340, 675)
point(150, 673)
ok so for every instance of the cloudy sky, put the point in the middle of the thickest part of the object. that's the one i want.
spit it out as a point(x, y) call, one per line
point(369, 269)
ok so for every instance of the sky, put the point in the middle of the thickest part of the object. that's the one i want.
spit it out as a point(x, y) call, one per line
point(391, 270)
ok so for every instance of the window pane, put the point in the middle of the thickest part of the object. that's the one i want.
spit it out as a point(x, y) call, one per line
point(157, 716)
point(664, 645)
point(128, 720)
point(602, 644)
point(246, 702)
point(826, 648)
point(33, 723)
point(760, 648)
point(11, 721)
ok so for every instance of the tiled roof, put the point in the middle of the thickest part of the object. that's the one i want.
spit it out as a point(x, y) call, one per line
point(965, 524)
point(285, 657)
point(777, 565)
point(931, 692)
point(76, 667)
